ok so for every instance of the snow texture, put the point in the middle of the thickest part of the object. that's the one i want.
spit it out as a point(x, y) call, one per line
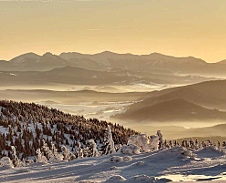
point(155, 166)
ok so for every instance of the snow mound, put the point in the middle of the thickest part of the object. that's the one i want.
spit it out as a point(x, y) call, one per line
point(214, 148)
point(116, 178)
point(116, 159)
point(188, 153)
point(143, 178)
point(139, 163)
point(127, 158)
point(6, 162)
point(210, 152)
point(129, 149)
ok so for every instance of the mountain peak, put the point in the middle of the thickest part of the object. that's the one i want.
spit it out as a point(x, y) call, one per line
point(48, 54)
point(24, 57)
point(106, 53)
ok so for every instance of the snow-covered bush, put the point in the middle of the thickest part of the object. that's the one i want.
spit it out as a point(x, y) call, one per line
point(108, 144)
point(47, 151)
point(68, 155)
point(154, 142)
point(6, 162)
point(92, 149)
point(39, 157)
point(140, 141)
point(56, 156)
point(79, 151)
point(129, 149)
point(186, 152)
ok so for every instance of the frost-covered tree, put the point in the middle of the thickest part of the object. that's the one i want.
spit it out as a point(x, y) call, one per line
point(68, 155)
point(170, 144)
point(16, 161)
point(218, 144)
point(154, 142)
point(54, 149)
point(47, 151)
point(56, 156)
point(108, 144)
point(192, 143)
point(39, 157)
point(161, 143)
point(92, 149)
point(79, 151)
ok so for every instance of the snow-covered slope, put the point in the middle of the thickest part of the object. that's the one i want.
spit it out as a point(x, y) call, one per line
point(160, 166)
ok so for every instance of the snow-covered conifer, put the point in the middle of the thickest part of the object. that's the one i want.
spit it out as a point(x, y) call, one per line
point(39, 157)
point(56, 156)
point(47, 152)
point(79, 151)
point(92, 149)
point(108, 144)
point(159, 134)
point(54, 149)
point(16, 161)
point(68, 155)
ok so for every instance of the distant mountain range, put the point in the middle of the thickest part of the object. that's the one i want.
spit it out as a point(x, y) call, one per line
point(202, 102)
point(106, 68)
point(108, 61)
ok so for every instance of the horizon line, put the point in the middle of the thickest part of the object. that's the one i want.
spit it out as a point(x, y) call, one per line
point(105, 51)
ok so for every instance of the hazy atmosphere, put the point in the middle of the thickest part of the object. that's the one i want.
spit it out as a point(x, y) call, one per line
point(109, 91)
point(172, 27)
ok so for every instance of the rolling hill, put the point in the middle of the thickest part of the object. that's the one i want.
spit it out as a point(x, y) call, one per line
point(199, 102)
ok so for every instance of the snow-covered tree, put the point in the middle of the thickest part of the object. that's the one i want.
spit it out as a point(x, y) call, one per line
point(154, 142)
point(56, 156)
point(141, 141)
point(79, 151)
point(68, 155)
point(108, 144)
point(159, 134)
point(92, 149)
point(54, 149)
point(16, 161)
point(39, 157)
point(47, 152)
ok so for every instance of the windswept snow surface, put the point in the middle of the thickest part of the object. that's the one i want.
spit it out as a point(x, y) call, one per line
point(158, 166)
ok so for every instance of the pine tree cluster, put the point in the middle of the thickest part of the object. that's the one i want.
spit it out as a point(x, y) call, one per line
point(26, 126)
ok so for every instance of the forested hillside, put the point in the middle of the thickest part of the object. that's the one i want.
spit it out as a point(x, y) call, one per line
point(26, 125)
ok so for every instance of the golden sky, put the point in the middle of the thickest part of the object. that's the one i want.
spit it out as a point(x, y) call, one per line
point(173, 27)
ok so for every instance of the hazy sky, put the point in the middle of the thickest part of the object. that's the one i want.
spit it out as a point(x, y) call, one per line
point(172, 27)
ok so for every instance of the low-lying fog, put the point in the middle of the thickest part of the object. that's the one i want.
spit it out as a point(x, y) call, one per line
point(80, 100)
point(103, 88)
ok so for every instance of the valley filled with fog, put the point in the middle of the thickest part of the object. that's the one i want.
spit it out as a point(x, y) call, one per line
point(144, 92)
